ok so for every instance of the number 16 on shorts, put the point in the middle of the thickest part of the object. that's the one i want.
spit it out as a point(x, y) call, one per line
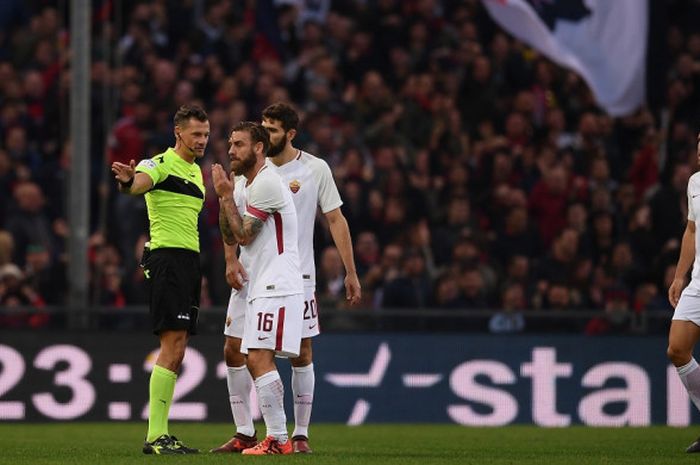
point(274, 323)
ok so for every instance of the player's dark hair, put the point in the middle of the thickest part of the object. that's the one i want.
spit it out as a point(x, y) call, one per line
point(283, 113)
point(257, 133)
point(187, 112)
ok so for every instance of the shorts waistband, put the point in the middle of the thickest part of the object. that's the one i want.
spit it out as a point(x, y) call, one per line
point(174, 251)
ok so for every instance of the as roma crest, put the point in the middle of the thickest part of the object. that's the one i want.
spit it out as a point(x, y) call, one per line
point(294, 186)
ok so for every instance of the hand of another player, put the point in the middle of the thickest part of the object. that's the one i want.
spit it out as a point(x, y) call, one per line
point(236, 275)
point(674, 292)
point(353, 291)
point(223, 185)
point(123, 173)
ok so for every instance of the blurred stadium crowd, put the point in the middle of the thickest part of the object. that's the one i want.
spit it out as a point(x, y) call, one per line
point(476, 174)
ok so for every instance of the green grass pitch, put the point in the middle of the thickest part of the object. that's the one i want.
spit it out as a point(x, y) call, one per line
point(424, 444)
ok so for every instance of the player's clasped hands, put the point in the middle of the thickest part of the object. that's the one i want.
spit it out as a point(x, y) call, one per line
point(223, 184)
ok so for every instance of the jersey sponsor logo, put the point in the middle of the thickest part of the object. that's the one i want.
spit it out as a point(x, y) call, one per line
point(228, 321)
point(270, 287)
point(147, 163)
point(294, 186)
point(183, 316)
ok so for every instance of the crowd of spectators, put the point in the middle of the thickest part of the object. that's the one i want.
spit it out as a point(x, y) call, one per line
point(476, 174)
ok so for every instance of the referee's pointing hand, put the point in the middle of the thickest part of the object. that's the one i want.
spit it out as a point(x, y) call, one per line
point(123, 173)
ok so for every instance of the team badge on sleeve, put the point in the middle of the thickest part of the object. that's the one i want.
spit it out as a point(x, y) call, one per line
point(294, 186)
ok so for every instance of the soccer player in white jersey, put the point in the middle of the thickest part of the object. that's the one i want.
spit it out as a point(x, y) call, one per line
point(311, 183)
point(267, 235)
point(685, 326)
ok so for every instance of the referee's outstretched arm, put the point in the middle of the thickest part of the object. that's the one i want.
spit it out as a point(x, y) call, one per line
point(131, 182)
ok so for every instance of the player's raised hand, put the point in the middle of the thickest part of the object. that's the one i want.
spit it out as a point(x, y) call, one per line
point(223, 185)
point(674, 292)
point(123, 173)
point(353, 291)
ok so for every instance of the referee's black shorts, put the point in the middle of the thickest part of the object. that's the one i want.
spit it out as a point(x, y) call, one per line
point(175, 281)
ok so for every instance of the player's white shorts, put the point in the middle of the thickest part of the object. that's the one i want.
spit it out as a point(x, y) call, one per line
point(274, 323)
point(235, 313)
point(311, 326)
point(688, 308)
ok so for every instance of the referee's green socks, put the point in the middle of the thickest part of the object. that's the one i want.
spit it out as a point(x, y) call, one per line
point(160, 395)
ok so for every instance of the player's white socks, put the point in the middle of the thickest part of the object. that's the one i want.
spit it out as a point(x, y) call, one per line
point(690, 376)
point(303, 381)
point(271, 401)
point(239, 384)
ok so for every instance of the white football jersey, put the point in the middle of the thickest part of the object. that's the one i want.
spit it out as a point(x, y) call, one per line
point(311, 183)
point(693, 214)
point(272, 260)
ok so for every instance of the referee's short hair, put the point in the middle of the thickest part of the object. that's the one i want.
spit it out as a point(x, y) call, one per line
point(257, 132)
point(187, 112)
point(283, 113)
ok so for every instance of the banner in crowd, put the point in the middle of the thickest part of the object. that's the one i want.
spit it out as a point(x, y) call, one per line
point(472, 380)
point(604, 41)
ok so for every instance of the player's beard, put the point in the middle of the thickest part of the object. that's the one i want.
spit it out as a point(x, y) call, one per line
point(244, 165)
point(276, 149)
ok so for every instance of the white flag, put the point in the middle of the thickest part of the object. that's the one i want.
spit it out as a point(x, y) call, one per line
point(604, 41)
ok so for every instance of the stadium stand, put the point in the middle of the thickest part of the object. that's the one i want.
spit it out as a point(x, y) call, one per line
point(476, 174)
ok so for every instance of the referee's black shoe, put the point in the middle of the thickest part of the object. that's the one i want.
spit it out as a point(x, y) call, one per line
point(694, 447)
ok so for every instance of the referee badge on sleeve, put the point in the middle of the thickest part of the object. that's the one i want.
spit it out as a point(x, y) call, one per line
point(147, 163)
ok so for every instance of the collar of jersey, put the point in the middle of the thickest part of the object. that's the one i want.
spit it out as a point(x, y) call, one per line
point(171, 151)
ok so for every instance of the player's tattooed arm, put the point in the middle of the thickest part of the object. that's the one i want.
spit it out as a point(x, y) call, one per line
point(225, 228)
point(252, 227)
point(244, 230)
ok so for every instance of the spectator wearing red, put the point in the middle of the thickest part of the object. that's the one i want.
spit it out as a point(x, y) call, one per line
point(548, 201)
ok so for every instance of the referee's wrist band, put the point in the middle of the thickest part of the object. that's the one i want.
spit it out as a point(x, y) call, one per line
point(127, 184)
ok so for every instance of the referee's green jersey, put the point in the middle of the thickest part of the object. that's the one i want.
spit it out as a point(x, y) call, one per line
point(174, 201)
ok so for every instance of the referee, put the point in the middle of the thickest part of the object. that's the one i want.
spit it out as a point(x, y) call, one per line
point(174, 191)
